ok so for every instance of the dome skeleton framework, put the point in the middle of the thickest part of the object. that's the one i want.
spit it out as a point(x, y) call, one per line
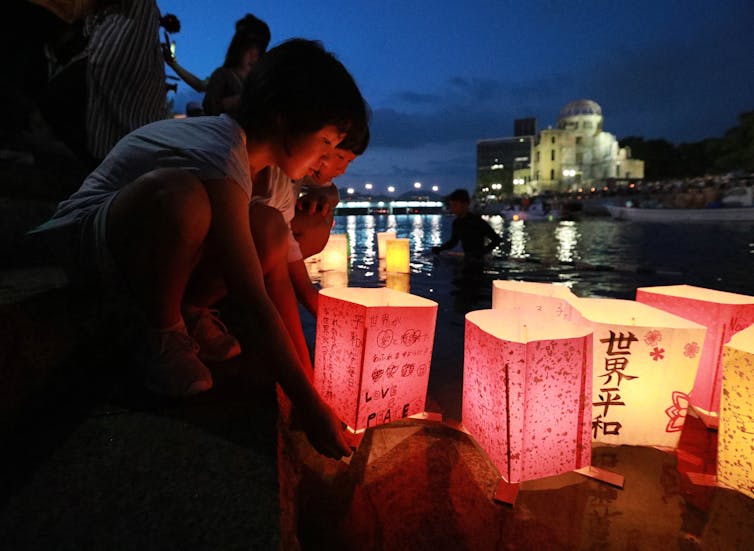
point(580, 107)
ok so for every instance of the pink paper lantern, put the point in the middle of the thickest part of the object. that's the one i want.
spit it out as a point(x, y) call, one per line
point(724, 314)
point(527, 393)
point(533, 298)
point(373, 354)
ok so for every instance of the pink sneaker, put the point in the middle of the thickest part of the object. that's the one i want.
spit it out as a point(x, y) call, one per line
point(216, 344)
point(174, 368)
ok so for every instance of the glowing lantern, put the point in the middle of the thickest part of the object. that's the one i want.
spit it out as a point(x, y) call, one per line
point(724, 314)
point(333, 278)
point(531, 298)
point(645, 362)
point(735, 462)
point(398, 254)
point(373, 353)
point(335, 254)
point(527, 393)
point(399, 282)
point(382, 238)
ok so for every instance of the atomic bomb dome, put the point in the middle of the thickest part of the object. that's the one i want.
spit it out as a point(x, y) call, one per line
point(581, 107)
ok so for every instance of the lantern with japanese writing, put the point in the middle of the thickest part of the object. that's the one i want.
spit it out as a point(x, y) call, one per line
point(382, 238)
point(335, 254)
point(542, 299)
point(527, 392)
point(735, 442)
point(645, 361)
point(724, 314)
point(373, 354)
point(397, 256)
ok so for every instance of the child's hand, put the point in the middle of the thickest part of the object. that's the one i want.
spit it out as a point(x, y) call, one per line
point(324, 431)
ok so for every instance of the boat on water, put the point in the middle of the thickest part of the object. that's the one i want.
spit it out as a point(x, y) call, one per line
point(736, 206)
point(537, 211)
point(721, 214)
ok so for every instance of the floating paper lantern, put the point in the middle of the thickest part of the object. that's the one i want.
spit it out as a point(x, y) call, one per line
point(724, 314)
point(533, 298)
point(373, 353)
point(335, 254)
point(333, 278)
point(527, 393)
point(382, 238)
point(735, 461)
point(645, 362)
point(397, 256)
point(398, 282)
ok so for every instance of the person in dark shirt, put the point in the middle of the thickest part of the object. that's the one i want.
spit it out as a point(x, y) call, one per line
point(476, 236)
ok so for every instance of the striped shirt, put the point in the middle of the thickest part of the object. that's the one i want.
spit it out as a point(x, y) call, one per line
point(125, 73)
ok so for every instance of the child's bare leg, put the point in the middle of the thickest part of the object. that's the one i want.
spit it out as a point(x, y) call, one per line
point(156, 228)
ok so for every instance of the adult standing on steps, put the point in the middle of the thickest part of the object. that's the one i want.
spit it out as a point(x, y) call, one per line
point(226, 83)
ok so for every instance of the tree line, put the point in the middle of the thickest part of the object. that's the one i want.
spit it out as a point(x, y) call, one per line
point(733, 151)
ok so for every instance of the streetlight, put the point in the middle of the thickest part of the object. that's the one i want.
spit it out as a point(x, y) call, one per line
point(390, 189)
point(435, 189)
point(350, 191)
point(417, 185)
point(368, 185)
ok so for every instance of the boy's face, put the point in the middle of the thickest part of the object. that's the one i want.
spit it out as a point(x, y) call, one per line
point(307, 154)
point(335, 165)
point(457, 207)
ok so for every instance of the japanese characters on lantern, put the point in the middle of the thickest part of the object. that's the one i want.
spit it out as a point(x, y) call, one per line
point(373, 354)
point(645, 362)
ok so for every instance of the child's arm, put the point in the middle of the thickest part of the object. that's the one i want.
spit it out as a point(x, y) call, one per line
point(230, 236)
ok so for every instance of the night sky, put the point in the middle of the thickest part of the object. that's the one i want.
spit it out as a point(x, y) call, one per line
point(440, 75)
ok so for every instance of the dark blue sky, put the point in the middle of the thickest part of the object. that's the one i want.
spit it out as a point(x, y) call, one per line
point(440, 74)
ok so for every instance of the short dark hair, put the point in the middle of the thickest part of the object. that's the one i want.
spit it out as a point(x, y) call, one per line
point(298, 88)
point(356, 140)
point(460, 195)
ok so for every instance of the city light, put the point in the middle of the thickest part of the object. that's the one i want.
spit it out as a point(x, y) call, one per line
point(350, 191)
point(435, 188)
point(368, 185)
point(417, 185)
point(391, 189)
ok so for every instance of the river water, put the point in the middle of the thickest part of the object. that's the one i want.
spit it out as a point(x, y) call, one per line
point(595, 256)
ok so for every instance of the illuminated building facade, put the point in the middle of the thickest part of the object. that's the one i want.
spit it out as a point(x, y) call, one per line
point(576, 154)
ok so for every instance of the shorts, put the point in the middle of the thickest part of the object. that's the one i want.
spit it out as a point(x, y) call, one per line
point(80, 247)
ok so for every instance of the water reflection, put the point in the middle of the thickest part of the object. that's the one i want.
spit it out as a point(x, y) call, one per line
point(568, 238)
point(593, 256)
point(417, 235)
point(351, 231)
point(518, 238)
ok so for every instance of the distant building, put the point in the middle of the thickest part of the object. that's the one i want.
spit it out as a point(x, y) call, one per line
point(500, 159)
point(576, 154)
